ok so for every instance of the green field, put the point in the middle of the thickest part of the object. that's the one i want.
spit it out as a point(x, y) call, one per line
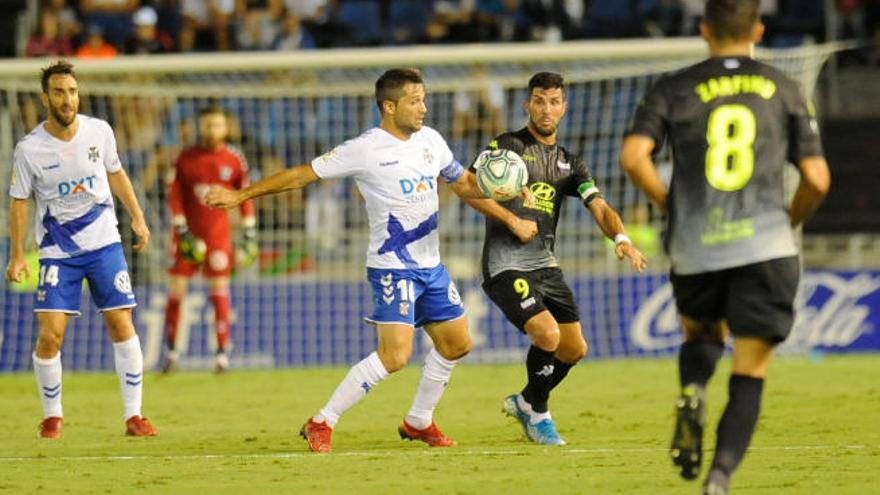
point(237, 433)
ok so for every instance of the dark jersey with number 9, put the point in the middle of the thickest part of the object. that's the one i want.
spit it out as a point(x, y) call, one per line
point(554, 173)
point(733, 125)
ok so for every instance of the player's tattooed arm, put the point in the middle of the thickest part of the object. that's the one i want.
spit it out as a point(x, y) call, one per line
point(121, 187)
point(609, 221)
point(287, 180)
point(635, 158)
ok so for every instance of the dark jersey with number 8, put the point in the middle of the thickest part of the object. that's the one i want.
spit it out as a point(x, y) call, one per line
point(733, 124)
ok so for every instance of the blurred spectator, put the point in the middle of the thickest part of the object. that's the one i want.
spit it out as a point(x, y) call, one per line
point(292, 36)
point(95, 46)
point(481, 111)
point(206, 19)
point(69, 25)
point(407, 20)
point(661, 17)
point(549, 19)
point(113, 16)
point(47, 40)
point(308, 10)
point(451, 22)
point(147, 39)
point(257, 23)
point(362, 19)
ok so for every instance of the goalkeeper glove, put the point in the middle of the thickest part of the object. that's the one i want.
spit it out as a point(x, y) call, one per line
point(191, 247)
point(247, 250)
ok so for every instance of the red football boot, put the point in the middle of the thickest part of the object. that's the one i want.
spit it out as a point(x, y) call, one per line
point(430, 435)
point(51, 427)
point(317, 435)
point(137, 426)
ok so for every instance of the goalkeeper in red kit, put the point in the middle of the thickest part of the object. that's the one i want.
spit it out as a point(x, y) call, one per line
point(202, 235)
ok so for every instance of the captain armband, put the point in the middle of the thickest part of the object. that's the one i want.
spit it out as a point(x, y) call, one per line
point(588, 192)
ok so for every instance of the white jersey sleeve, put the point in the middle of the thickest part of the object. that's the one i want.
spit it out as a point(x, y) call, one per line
point(21, 183)
point(450, 168)
point(346, 159)
point(111, 155)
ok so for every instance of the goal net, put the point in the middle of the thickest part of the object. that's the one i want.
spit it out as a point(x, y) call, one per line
point(304, 301)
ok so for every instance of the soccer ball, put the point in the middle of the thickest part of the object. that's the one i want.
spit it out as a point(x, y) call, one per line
point(501, 174)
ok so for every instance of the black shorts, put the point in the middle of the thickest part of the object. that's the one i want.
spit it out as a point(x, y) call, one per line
point(757, 300)
point(522, 295)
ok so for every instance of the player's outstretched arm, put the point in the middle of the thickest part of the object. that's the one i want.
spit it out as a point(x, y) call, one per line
point(523, 229)
point(120, 185)
point(18, 214)
point(609, 221)
point(635, 159)
point(287, 180)
point(814, 185)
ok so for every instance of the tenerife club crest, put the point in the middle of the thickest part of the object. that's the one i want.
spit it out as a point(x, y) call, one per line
point(225, 172)
point(94, 154)
point(428, 156)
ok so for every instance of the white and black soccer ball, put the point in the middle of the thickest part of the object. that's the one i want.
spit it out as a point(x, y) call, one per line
point(501, 174)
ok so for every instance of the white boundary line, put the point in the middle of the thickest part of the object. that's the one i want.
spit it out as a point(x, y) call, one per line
point(406, 452)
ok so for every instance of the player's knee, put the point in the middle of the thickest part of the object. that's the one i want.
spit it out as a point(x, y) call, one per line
point(48, 344)
point(395, 359)
point(545, 338)
point(572, 352)
point(455, 350)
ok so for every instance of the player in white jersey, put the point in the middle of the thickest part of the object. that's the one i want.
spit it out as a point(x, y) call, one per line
point(70, 165)
point(396, 167)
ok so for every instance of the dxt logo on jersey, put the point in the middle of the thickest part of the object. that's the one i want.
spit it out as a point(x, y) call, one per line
point(417, 185)
point(76, 186)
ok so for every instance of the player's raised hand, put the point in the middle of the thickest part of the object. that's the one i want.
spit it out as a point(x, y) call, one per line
point(220, 197)
point(636, 258)
point(524, 229)
point(15, 268)
point(143, 234)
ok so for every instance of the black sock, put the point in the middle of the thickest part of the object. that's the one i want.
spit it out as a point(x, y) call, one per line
point(539, 366)
point(697, 359)
point(560, 371)
point(738, 422)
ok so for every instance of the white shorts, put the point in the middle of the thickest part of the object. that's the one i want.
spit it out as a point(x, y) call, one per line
point(198, 9)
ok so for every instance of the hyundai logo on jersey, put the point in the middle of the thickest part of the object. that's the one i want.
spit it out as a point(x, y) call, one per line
point(417, 185)
point(76, 186)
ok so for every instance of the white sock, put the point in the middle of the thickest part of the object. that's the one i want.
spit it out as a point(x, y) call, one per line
point(130, 370)
point(48, 373)
point(435, 377)
point(361, 378)
point(534, 417)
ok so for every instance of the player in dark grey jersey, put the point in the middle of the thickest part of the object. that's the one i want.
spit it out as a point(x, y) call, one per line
point(520, 270)
point(733, 125)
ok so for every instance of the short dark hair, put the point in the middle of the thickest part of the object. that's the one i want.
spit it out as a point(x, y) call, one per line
point(546, 80)
point(732, 19)
point(59, 67)
point(389, 86)
point(213, 108)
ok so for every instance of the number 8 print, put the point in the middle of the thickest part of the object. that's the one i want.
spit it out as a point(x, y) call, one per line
point(730, 159)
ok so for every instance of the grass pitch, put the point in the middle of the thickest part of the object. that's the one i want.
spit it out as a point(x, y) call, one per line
point(237, 433)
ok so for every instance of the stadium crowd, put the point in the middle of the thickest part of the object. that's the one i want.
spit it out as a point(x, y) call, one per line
point(104, 28)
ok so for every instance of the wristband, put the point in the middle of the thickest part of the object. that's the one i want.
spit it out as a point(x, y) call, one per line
point(621, 238)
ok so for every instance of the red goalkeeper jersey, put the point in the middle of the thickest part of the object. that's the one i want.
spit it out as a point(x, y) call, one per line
point(196, 170)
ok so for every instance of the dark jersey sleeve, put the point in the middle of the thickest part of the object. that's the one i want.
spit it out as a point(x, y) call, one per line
point(652, 115)
point(581, 182)
point(506, 141)
point(803, 129)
